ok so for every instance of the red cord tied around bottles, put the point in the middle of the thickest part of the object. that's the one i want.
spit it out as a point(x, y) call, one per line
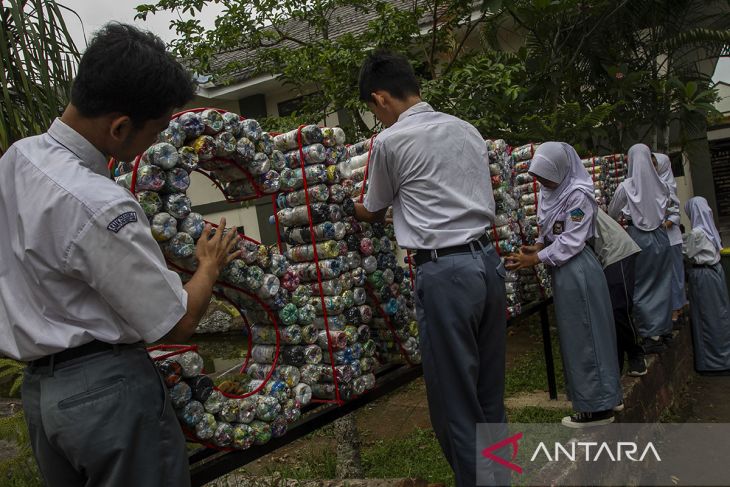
point(338, 400)
point(593, 170)
point(388, 323)
point(276, 220)
point(496, 240)
point(272, 318)
point(367, 169)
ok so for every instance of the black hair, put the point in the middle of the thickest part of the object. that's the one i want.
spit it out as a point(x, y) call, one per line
point(387, 71)
point(129, 71)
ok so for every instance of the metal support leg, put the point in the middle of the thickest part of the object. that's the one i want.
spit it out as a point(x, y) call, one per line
point(548, 348)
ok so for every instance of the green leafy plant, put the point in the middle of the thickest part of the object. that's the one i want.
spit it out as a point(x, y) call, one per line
point(37, 62)
point(11, 371)
point(20, 469)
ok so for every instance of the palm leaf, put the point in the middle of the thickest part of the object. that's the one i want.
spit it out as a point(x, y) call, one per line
point(37, 59)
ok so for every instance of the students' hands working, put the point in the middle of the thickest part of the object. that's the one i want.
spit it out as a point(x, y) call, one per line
point(215, 252)
point(531, 249)
point(521, 260)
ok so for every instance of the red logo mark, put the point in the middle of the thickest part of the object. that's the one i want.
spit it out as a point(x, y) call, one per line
point(514, 440)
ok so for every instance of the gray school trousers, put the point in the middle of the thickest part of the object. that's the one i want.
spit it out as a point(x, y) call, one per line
point(104, 419)
point(460, 303)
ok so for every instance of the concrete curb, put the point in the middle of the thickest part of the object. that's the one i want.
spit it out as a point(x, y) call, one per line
point(646, 398)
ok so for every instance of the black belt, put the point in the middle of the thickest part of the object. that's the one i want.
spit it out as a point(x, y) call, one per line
point(703, 266)
point(422, 256)
point(90, 348)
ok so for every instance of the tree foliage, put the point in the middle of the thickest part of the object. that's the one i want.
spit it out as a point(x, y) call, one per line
point(630, 55)
point(37, 62)
point(600, 74)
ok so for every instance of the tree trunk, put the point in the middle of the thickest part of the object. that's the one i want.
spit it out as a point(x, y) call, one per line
point(348, 448)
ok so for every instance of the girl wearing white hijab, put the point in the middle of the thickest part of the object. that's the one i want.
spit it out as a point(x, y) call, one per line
point(708, 296)
point(671, 223)
point(566, 216)
point(642, 199)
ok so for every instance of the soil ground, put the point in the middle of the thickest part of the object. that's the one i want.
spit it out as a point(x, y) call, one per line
point(706, 400)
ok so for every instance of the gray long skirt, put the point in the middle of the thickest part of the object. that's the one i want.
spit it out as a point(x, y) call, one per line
point(710, 313)
point(587, 333)
point(678, 296)
point(653, 291)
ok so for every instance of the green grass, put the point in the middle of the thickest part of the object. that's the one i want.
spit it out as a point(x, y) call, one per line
point(535, 414)
point(416, 455)
point(318, 463)
point(528, 373)
point(20, 470)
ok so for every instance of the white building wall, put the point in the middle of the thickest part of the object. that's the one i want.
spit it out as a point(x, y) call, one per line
point(202, 191)
point(723, 105)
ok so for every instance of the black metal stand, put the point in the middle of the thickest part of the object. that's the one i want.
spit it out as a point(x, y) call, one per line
point(542, 308)
point(548, 349)
point(208, 464)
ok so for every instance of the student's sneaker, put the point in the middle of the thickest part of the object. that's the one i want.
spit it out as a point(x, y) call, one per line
point(587, 420)
point(668, 339)
point(637, 366)
point(653, 345)
point(619, 407)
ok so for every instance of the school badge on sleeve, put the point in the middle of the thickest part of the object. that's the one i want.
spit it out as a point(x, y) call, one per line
point(122, 220)
point(577, 215)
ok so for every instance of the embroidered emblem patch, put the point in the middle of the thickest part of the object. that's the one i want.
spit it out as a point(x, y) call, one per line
point(119, 222)
point(577, 215)
point(558, 227)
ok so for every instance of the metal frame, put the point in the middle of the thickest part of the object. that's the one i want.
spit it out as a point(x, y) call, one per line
point(207, 464)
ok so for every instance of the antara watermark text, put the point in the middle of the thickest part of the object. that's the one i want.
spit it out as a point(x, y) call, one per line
point(592, 451)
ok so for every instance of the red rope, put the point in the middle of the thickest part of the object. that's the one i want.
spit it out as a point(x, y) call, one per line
point(316, 263)
point(534, 270)
point(496, 240)
point(534, 194)
point(388, 323)
point(367, 168)
point(173, 350)
point(264, 306)
point(133, 184)
point(410, 269)
point(272, 317)
point(593, 170)
point(276, 220)
point(250, 342)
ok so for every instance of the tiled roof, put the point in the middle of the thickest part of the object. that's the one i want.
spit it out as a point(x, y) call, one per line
point(344, 20)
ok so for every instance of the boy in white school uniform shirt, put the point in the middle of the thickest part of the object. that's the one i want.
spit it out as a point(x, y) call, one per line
point(433, 168)
point(83, 283)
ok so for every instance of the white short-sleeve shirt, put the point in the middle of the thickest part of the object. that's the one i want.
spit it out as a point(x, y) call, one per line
point(77, 259)
point(434, 169)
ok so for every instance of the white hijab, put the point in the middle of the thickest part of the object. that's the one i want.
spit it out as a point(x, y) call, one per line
point(700, 214)
point(647, 195)
point(664, 169)
point(558, 162)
